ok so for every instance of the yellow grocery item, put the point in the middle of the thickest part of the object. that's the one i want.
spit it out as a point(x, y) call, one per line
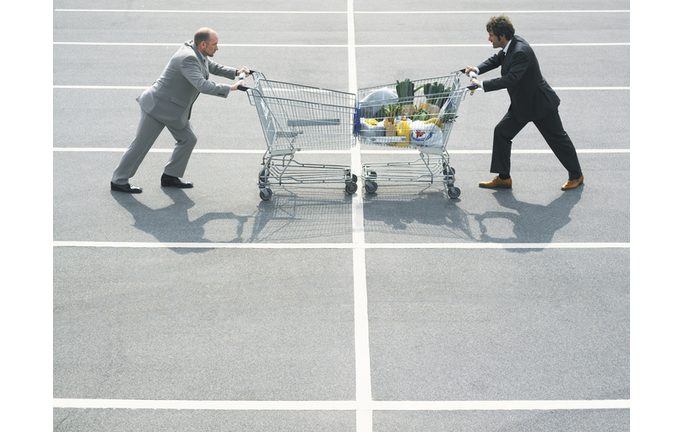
point(404, 130)
point(435, 121)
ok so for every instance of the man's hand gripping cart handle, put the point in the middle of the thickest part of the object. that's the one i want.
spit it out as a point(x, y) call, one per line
point(241, 77)
point(473, 76)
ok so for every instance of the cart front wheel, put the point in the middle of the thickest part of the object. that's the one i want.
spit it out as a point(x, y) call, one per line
point(265, 194)
point(351, 188)
point(370, 186)
point(453, 192)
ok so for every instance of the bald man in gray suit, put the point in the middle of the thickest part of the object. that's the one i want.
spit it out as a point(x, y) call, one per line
point(168, 104)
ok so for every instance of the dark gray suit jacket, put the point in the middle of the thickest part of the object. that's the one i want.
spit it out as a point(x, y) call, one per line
point(531, 97)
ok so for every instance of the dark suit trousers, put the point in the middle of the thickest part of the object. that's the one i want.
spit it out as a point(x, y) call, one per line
point(552, 131)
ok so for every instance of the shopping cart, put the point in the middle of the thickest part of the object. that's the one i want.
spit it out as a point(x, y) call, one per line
point(412, 115)
point(298, 118)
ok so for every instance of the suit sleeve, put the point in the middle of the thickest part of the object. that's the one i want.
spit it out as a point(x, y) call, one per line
point(191, 70)
point(220, 70)
point(518, 65)
point(491, 63)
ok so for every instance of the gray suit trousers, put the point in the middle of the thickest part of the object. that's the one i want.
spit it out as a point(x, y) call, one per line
point(148, 131)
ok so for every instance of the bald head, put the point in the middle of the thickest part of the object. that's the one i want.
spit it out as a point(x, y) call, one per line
point(203, 35)
point(206, 41)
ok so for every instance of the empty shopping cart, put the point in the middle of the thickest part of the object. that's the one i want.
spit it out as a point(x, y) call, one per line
point(298, 118)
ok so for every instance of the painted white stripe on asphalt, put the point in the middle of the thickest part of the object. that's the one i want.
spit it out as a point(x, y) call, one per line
point(262, 45)
point(114, 87)
point(251, 151)
point(479, 45)
point(387, 12)
point(360, 294)
point(209, 151)
point(237, 45)
point(591, 88)
point(466, 12)
point(208, 245)
point(195, 11)
point(99, 87)
point(344, 405)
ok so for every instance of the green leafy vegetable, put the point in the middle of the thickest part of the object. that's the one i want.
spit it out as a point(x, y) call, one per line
point(405, 91)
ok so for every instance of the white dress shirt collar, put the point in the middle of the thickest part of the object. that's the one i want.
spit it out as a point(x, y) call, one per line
point(507, 46)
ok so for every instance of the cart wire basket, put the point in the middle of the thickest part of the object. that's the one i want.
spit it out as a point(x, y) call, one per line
point(411, 115)
point(297, 118)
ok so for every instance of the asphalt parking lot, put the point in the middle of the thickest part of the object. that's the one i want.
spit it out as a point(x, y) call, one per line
point(211, 309)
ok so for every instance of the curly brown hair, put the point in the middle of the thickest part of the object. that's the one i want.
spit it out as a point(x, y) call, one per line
point(501, 26)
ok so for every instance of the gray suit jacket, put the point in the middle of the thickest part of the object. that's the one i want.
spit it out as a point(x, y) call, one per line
point(170, 98)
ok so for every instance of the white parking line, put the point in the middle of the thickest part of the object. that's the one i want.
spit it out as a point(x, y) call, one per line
point(474, 45)
point(356, 246)
point(197, 11)
point(467, 12)
point(115, 87)
point(360, 295)
point(352, 151)
point(262, 45)
point(383, 12)
point(367, 406)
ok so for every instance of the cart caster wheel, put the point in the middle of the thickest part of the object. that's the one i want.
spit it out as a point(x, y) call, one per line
point(265, 194)
point(453, 192)
point(351, 188)
point(354, 178)
point(370, 186)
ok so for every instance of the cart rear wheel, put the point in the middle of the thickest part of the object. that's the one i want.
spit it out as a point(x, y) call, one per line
point(351, 188)
point(370, 186)
point(453, 192)
point(265, 194)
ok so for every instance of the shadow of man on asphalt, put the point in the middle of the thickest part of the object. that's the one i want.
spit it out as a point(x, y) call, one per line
point(172, 223)
point(532, 223)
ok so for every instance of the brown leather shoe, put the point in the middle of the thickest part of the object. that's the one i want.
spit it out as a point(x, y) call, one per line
point(571, 184)
point(497, 183)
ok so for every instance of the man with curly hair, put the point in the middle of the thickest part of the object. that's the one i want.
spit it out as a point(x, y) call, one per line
point(531, 100)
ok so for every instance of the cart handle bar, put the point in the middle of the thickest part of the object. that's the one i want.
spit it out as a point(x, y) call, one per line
point(473, 76)
point(242, 76)
point(245, 88)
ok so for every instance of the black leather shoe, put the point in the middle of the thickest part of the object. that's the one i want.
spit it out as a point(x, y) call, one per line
point(170, 181)
point(125, 188)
